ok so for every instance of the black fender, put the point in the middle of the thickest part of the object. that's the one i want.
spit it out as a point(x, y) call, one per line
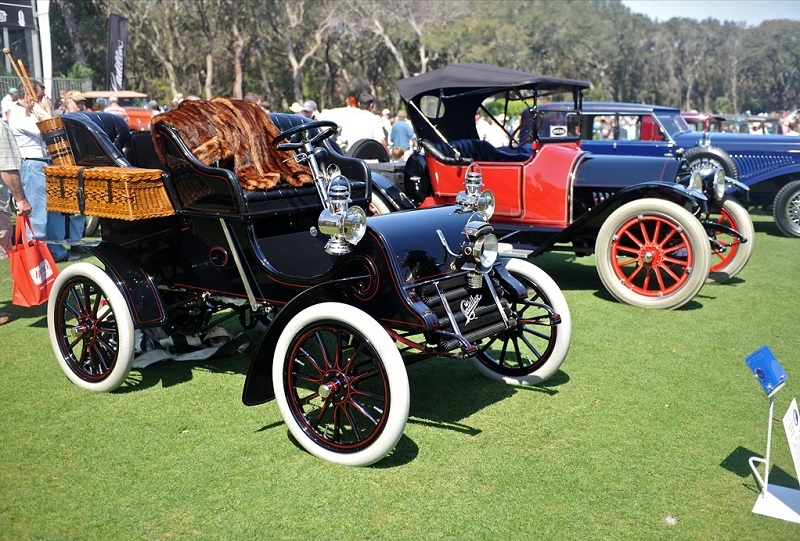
point(258, 383)
point(390, 193)
point(693, 200)
point(137, 286)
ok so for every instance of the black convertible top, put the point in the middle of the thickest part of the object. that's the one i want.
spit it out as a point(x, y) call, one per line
point(460, 89)
point(492, 79)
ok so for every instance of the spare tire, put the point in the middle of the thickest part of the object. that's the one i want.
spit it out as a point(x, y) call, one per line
point(699, 156)
point(416, 179)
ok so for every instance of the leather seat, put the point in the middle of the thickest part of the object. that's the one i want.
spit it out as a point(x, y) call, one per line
point(470, 149)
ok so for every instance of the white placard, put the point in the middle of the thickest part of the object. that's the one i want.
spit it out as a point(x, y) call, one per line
point(791, 423)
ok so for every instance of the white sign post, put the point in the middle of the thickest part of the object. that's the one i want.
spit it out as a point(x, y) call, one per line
point(775, 501)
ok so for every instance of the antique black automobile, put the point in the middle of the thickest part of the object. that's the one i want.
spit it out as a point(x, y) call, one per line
point(348, 300)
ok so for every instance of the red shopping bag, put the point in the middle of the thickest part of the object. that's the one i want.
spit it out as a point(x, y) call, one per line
point(33, 269)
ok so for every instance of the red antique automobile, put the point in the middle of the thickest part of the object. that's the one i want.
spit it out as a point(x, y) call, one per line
point(638, 215)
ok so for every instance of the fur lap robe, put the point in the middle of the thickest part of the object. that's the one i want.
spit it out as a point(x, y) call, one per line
point(235, 135)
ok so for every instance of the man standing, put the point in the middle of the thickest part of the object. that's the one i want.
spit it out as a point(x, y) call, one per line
point(8, 101)
point(402, 134)
point(49, 226)
point(363, 123)
point(10, 184)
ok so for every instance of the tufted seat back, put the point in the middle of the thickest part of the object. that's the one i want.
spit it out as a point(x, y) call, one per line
point(470, 150)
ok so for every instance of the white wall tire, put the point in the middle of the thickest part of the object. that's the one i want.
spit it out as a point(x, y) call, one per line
point(365, 408)
point(725, 265)
point(652, 253)
point(530, 354)
point(90, 328)
point(378, 206)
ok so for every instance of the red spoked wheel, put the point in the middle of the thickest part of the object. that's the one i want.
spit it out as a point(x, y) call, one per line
point(652, 253)
point(729, 254)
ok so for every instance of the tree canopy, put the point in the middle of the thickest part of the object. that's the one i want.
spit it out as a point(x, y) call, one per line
point(326, 50)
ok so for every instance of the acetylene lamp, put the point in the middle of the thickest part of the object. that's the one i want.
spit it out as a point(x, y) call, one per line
point(344, 224)
point(479, 251)
point(472, 197)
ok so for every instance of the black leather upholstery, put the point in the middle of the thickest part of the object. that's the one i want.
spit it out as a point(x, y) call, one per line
point(205, 189)
point(469, 150)
point(91, 144)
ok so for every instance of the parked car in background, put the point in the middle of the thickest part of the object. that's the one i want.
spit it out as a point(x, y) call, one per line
point(754, 124)
point(137, 112)
point(765, 168)
point(652, 250)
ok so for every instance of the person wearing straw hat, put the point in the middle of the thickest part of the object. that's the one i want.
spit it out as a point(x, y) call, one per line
point(8, 101)
point(74, 102)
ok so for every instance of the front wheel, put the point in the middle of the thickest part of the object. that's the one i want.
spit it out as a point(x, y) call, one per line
point(652, 253)
point(533, 350)
point(731, 257)
point(340, 384)
point(786, 209)
point(90, 327)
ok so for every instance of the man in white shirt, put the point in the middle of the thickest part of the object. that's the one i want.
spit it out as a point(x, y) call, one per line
point(363, 123)
point(8, 101)
point(50, 226)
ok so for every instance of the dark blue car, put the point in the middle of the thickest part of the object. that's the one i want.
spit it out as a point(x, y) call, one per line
point(769, 165)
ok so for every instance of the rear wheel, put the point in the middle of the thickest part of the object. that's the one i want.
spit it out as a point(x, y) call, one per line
point(726, 262)
point(341, 384)
point(652, 253)
point(378, 204)
point(786, 209)
point(90, 327)
point(534, 349)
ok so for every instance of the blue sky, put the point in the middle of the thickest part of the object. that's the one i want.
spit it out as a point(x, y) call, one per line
point(751, 12)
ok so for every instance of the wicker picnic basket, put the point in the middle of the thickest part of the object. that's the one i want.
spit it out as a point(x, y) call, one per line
point(125, 193)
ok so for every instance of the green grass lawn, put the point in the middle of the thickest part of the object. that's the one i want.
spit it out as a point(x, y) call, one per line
point(643, 435)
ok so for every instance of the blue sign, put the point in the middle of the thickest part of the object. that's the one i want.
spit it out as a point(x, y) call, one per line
point(767, 370)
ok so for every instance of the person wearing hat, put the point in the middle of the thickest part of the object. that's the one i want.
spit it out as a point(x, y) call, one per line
point(8, 101)
point(74, 102)
point(309, 109)
point(296, 108)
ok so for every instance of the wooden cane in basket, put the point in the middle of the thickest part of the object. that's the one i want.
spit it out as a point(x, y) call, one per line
point(26, 82)
point(52, 128)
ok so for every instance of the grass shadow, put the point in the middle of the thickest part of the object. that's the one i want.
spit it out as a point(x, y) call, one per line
point(170, 373)
point(448, 391)
point(36, 314)
point(738, 463)
point(765, 224)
